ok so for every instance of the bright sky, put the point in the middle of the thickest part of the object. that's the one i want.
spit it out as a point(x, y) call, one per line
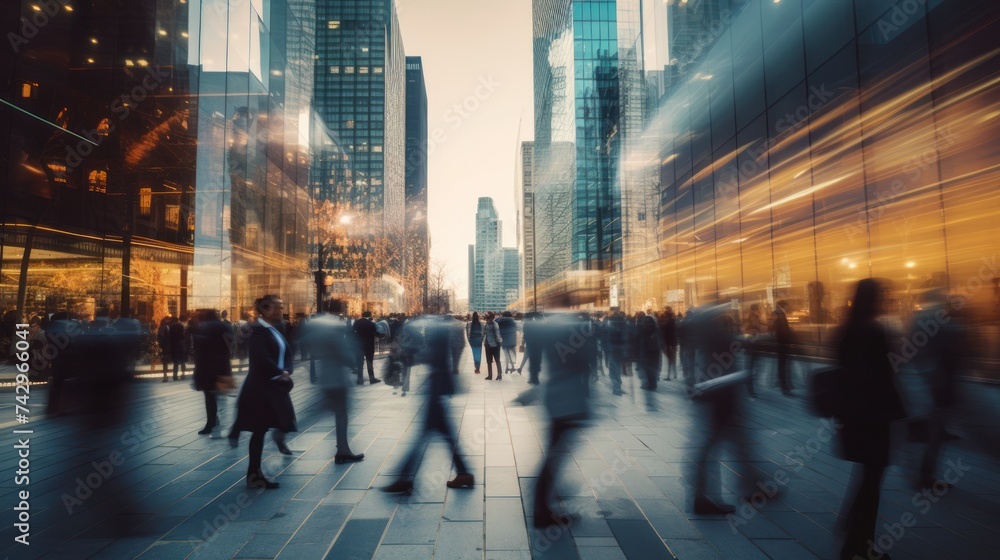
point(471, 47)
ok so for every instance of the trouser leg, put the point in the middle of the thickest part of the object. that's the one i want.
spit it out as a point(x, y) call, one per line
point(256, 452)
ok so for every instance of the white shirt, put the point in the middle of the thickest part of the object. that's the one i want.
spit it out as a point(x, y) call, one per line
point(282, 345)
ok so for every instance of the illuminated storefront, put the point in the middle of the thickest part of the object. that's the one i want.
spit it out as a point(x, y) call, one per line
point(158, 157)
point(816, 143)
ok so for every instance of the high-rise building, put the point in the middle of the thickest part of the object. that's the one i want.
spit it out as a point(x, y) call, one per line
point(511, 275)
point(578, 102)
point(361, 98)
point(416, 175)
point(787, 160)
point(489, 278)
point(526, 214)
point(191, 189)
point(472, 277)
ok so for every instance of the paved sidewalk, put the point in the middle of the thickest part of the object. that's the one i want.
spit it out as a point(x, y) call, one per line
point(159, 490)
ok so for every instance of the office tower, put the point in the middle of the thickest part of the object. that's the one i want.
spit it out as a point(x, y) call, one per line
point(578, 104)
point(489, 259)
point(526, 237)
point(416, 175)
point(361, 98)
point(511, 275)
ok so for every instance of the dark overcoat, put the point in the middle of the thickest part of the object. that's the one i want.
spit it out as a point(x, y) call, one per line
point(264, 403)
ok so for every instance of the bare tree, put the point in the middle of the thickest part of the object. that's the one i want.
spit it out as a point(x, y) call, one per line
point(438, 298)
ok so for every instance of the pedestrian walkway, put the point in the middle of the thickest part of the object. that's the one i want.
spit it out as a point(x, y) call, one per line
point(150, 487)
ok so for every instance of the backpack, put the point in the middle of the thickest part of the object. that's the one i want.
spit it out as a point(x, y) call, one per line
point(824, 392)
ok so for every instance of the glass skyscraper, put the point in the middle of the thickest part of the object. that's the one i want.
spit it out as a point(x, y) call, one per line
point(361, 98)
point(578, 103)
point(416, 172)
point(156, 158)
point(808, 144)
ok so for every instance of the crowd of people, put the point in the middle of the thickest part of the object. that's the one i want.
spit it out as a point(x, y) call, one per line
point(714, 354)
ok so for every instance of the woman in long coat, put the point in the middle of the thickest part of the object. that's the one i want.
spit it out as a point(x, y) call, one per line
point(264, 400)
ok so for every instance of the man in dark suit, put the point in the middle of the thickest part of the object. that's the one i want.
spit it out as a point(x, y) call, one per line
point(264, 401)
point(178, 347)
point(211, 362)
point(365, 329)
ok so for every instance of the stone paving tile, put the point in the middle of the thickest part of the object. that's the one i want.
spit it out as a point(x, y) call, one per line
point(404, 552)
point(416, 524)
point(459, 540)
point(505, 526)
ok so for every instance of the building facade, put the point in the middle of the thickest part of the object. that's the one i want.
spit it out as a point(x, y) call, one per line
point(361, 98)
point(158, 158)
point(511, 276)
point(416, 177)
point(526, 214)
point(808, 145)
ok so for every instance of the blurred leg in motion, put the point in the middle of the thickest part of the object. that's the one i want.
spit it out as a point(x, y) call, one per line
point(543, 514)
point(211, 412)
point(477, 356)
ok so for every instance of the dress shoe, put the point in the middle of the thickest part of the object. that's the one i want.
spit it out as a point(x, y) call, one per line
point(549, 519)
point(488, 378)
point(374, 381)
point(204, 431)
point(283, 449)
point(462, 481)
point(257, 480)
point(399, 486)
point(234, 441)
point(477, 372)
point(705, 506)
point(348, 458)
point(499, 377)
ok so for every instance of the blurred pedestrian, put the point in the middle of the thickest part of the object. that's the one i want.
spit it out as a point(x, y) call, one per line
point(714, 333)
point(441, 384)
point(475, 335)
point(508, 334)
point(457, 343)
point(163, 343)
point(668, 330)
point(366, 331)
point(755, 337)
point(493, 341)
point(264, 400)
point(569, 365)
point(178, 347)
point(939, 363)
point(532, 347)
point(783, 340)
point(213, 370)
point(650, 350)
point(333, 347)
point(867, 376)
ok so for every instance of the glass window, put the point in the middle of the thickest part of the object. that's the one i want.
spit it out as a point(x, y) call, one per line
point(829, 25)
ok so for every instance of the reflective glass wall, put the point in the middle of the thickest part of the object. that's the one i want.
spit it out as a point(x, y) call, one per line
point(156, 157)
point(813, 143)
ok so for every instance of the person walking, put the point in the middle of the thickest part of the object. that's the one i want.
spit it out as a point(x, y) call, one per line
point(333, 347)
point(475, 335)
point(178, 347)
point(866, 374)
point(783, 339)
point(493, 341)
point(264, 400)
point(366, 331)
point(508, 333)
point(441, 383)
point(668, 330)
point(163, 341)
point(566, 396)
point(532, 347)
point(212, 363)
point(649, 350)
